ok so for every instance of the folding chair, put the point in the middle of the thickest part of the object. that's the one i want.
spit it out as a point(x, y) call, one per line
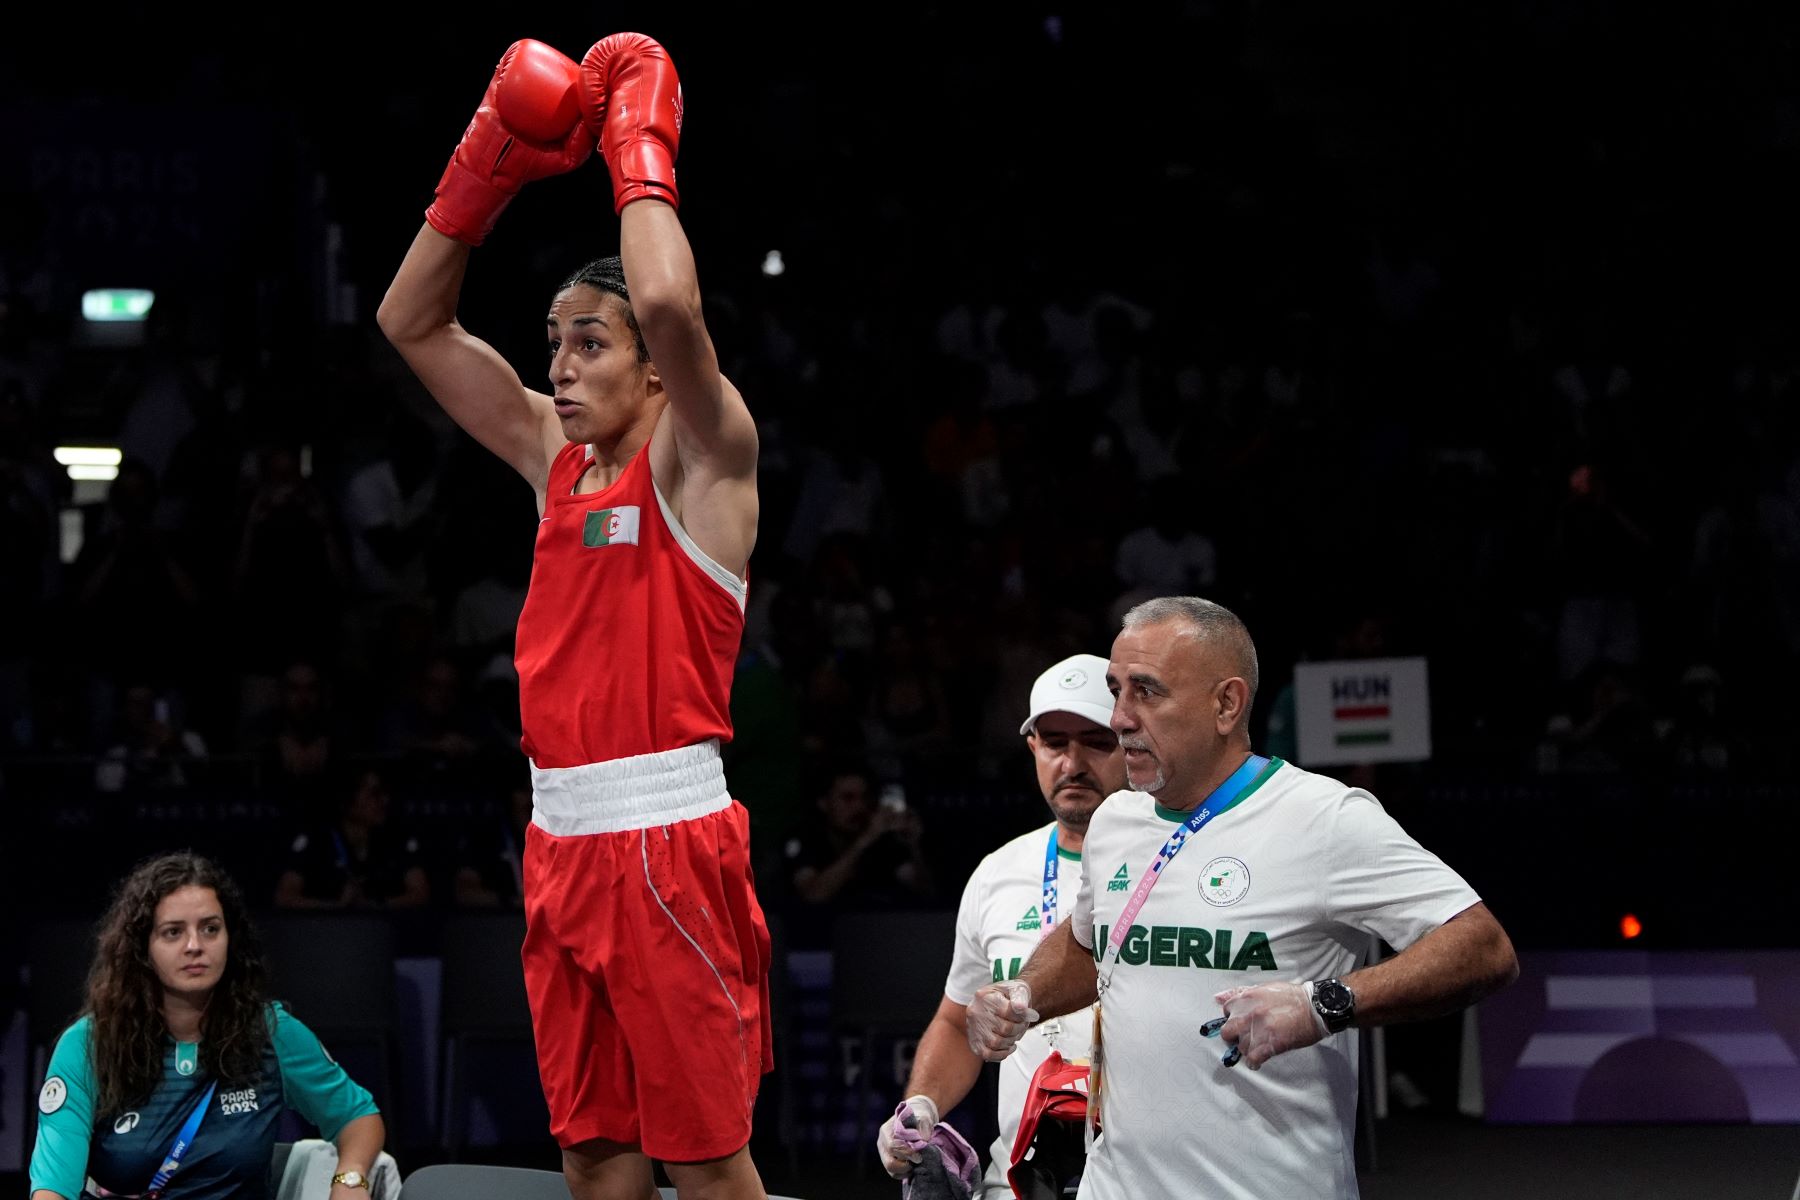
point(466, 1181)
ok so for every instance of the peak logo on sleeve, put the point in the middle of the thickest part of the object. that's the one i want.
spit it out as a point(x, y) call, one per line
point(1030, 919)
point(1121, 880)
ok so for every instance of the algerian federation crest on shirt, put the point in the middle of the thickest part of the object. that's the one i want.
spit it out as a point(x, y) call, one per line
point(611, 527)
point(1224, 881)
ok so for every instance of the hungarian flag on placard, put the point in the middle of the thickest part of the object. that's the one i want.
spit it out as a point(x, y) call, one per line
point(611, 526)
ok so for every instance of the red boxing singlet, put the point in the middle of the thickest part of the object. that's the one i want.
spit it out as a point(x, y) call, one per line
point(630, 633)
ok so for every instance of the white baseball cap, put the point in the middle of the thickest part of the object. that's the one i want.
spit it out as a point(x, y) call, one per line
point(1074, 685)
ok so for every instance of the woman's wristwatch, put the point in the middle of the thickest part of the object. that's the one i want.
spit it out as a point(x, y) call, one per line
point(350, 1179)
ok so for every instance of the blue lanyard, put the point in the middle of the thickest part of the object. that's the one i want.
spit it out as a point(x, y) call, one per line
point(185, 1138)
point(1048, 908)
point(1223, 798)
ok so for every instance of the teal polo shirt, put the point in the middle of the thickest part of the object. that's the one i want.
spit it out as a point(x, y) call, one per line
point(233, 1147)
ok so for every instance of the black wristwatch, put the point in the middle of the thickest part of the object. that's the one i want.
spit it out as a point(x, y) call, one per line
point(1334, 1002)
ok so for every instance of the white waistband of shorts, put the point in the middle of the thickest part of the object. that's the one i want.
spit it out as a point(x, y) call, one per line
point(630, 793)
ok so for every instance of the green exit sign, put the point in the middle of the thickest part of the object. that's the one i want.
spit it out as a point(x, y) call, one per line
point(117, 304)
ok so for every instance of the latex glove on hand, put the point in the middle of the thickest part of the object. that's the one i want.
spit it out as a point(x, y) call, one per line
point(998, 1016)
point(904, 1134)
point(1270, 1019)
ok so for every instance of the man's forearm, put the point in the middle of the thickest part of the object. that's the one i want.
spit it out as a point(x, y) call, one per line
point(1061, 974)
point(1455, 965)
point(944, 1068)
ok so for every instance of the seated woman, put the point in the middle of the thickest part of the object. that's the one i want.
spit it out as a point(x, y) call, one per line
point(173, 1081)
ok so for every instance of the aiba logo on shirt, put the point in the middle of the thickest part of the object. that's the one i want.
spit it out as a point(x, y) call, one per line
point(1224, 881)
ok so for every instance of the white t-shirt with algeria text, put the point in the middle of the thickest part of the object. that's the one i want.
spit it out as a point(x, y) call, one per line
point(1290, 884)
point(998, 925)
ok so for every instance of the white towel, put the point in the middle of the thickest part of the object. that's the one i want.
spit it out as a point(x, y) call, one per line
point(312, 1163)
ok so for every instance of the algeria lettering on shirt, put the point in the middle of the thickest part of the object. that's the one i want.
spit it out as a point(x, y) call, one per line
point(1188, 946)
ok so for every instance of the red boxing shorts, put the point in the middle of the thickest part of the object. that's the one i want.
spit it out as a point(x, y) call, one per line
point(646, 956)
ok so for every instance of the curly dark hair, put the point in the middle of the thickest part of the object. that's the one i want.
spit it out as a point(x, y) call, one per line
point(608, 275)
point(124, 996)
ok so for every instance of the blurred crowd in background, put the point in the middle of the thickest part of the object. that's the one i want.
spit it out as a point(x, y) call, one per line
point(1355, 324)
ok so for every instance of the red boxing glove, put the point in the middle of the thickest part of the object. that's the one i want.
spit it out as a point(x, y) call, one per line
point(631, 101)
point(528, 127)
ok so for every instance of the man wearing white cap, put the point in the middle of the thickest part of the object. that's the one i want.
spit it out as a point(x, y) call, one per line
point(1014, 899)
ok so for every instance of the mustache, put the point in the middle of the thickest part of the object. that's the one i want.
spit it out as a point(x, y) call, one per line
point(1131, 743)
point(1078, 780)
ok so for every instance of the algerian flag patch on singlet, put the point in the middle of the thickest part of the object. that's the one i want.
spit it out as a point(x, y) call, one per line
point(611, 527)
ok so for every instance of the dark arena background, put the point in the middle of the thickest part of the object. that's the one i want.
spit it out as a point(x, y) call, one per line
point(1455, 348)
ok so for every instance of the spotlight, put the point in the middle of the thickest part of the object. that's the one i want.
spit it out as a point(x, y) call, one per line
point(89, 462)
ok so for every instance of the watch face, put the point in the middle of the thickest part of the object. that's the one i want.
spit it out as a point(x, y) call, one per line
point(350, 1178)
point(1333, 997)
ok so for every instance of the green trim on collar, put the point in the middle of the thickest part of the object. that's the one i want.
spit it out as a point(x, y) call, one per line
point(1178, 816)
